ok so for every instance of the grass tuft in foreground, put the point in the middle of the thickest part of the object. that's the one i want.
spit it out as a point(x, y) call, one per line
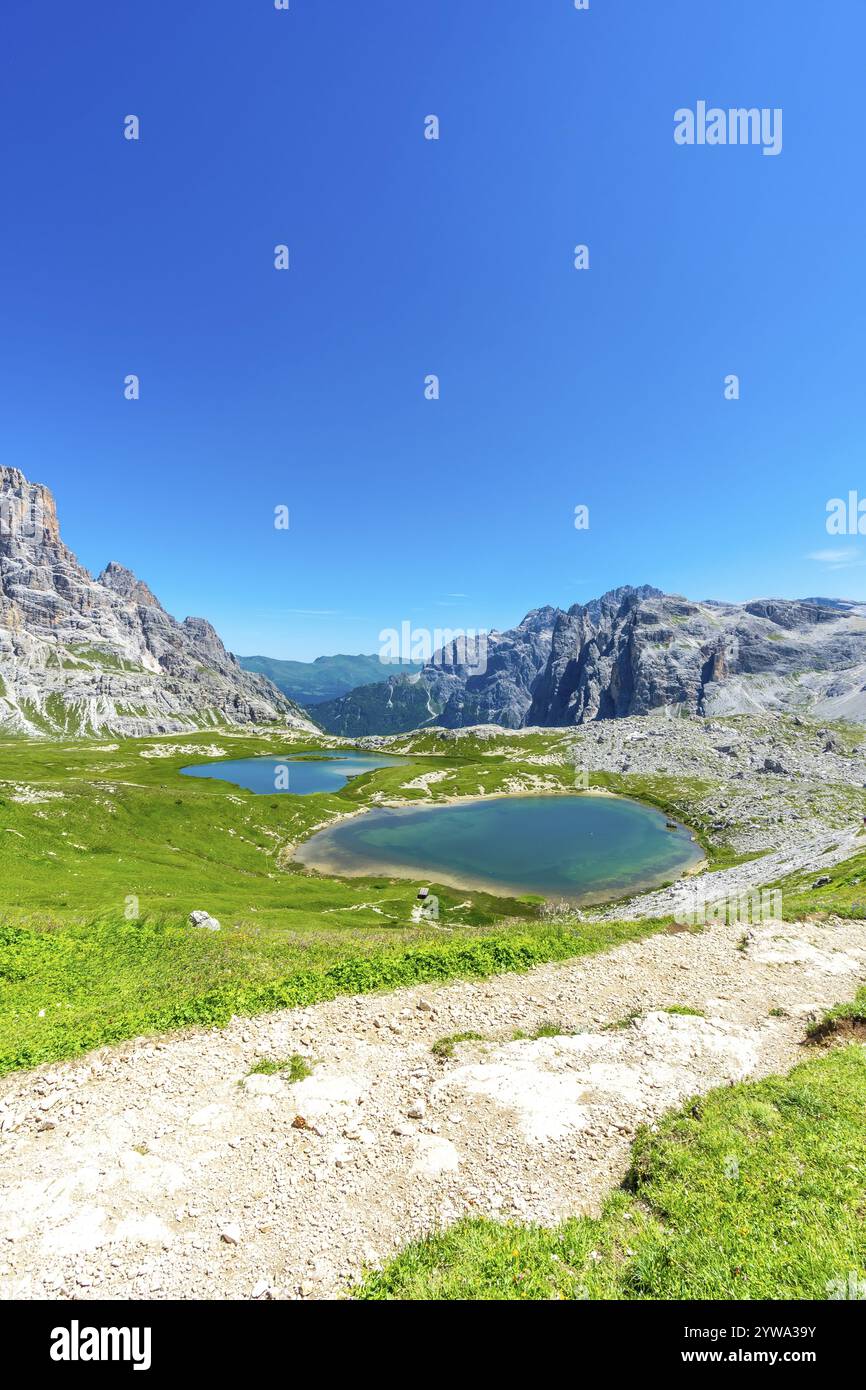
point(294, 1068)
point(444, 1047)
point(753, 1191)
point(843, 1020)
point(67, 989)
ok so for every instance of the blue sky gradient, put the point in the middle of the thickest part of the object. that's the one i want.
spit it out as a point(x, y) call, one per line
point(409, 257)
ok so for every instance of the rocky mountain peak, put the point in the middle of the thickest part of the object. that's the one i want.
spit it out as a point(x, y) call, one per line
point(635, 650)
point(642, 650)
point(122, 581)
point(28, 517)
point(537, 619)
point(80, 655)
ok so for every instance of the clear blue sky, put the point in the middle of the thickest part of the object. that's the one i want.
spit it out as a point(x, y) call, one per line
point(410, 257)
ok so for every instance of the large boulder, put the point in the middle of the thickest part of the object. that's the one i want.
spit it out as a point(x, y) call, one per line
point(199, 918)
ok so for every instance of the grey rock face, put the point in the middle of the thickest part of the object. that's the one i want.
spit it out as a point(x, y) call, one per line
point(639, 650)
point(203, 919)
point(632, 651)
point(502, 692)
point(594, 669)
point(84, 655)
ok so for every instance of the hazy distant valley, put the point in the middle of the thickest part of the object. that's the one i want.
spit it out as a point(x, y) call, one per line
point(311, 683)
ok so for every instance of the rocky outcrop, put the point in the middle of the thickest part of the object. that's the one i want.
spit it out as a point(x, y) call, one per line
point(501, 693)
point(590, 672)
point(640, 650)
point(84, 655)
point(634, 650)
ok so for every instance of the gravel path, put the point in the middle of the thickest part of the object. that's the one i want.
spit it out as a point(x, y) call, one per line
point(162, 1169)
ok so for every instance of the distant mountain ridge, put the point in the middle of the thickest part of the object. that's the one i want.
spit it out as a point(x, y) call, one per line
point(327, 678)
point(84, 655)
point(634, 650)
point(447, 692)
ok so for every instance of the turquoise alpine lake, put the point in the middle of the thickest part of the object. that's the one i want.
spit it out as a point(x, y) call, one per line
point(299, 776)
point(583, 848)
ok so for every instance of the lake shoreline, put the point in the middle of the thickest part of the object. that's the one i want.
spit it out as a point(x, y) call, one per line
point(330, 864)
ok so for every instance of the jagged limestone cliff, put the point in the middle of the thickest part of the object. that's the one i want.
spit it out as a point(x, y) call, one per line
point(637, 650)
point(632, 651)
point(84, 655)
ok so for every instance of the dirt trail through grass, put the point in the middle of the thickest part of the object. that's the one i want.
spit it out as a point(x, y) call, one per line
point(184, 1168)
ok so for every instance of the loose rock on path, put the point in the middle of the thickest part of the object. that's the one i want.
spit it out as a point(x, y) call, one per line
point(163, 1169)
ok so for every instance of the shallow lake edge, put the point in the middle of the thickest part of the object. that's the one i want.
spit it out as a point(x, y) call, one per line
point(404, 873)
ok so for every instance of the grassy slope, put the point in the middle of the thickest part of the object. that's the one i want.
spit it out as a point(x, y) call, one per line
point(127, 826)
point(753, 1191)
point(128, 832)
point(844, 895)
point(68, 989)
point(125, 832)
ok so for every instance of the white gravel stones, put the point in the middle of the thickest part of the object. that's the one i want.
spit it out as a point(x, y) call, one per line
point(164, 1177)
point(435, 1156)
point(556, 1086)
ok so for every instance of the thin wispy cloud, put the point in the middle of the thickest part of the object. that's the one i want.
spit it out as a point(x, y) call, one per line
point(844, 558)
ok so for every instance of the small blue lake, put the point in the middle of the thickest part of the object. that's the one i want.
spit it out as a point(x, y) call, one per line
point(298, 775)
point(582, 848)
